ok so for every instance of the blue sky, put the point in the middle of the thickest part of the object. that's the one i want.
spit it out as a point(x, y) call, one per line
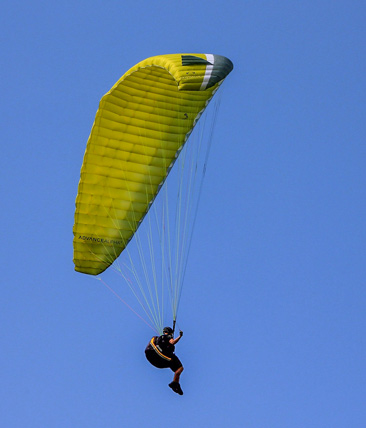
point(273, 308)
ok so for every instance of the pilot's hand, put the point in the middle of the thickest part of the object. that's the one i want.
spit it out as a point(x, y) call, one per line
point(180, 333)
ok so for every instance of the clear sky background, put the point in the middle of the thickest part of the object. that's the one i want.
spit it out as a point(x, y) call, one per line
point(273, 308)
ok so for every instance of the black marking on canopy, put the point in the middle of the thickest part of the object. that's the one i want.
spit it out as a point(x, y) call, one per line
point(193, 60)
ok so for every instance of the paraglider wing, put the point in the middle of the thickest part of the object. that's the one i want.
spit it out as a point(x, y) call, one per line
point(140, 127)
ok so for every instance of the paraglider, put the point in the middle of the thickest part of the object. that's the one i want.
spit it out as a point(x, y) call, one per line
point(140, 131)
point(160, 353)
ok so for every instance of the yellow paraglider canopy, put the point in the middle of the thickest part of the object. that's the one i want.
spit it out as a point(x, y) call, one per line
point(140, 127)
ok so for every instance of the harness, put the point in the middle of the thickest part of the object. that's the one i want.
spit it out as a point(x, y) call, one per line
point(157, 349)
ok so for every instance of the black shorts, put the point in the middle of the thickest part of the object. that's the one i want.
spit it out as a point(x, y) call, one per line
point(161, 363)
point(175, 363)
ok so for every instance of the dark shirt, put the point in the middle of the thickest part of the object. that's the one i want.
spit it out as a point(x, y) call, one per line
point(166, 348)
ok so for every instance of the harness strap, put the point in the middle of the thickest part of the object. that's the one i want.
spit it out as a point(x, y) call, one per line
point(174, 321)
point(157, 351)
